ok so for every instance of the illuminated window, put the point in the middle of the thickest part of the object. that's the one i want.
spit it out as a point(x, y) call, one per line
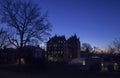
point(55, 45)
point(50, 58)
point(22, 61)
point(58, 41)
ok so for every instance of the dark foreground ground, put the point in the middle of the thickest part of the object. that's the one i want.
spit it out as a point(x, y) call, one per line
point(51, 72)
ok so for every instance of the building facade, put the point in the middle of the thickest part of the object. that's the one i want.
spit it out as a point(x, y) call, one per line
point(73, 46)
point(56, 48)
point(60, 49)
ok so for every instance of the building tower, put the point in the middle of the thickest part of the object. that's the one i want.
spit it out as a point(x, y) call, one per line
point(73, 47)
point(61, 50)
point(56, 48)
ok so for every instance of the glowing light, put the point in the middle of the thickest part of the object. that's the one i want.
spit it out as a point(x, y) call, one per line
point(102, 66)
point(22, 61)
point(115, 66)
point(83, 62)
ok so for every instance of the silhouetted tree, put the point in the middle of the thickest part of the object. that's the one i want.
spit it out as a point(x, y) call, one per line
point(3, 38)
point(111, 49)
point(115, 46)
point(86, 47)
point(25, 21)
point(96, 49)
point(33, 42)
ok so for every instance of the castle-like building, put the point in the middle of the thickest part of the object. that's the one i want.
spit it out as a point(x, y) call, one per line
point(60, 49)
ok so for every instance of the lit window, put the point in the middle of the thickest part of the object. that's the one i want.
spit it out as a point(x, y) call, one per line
point(61, 52)
point(58, 41)
point(50, 58)
point(22, 61)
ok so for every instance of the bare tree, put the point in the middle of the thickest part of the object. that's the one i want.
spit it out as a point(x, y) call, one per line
point(111, 49)
point(33, 42)
point(3, 38)
point(86, 47)
point(25, 20)
point(115, 46)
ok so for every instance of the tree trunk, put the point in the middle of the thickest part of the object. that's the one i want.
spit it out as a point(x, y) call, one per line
point(21, 40)
point(20, 55)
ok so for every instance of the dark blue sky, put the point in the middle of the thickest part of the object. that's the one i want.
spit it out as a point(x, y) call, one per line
point(95, 21)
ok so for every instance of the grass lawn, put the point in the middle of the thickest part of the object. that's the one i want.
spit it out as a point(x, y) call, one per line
point(54, 73)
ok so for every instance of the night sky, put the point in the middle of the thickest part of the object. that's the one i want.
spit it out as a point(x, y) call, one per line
point(94, 21)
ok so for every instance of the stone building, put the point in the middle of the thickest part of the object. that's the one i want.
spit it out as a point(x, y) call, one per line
point(73, 46)
point(56, 48)
point(60, 49)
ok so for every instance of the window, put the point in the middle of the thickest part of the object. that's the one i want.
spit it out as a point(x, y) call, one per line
point(61, 52)
point(58, 52)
